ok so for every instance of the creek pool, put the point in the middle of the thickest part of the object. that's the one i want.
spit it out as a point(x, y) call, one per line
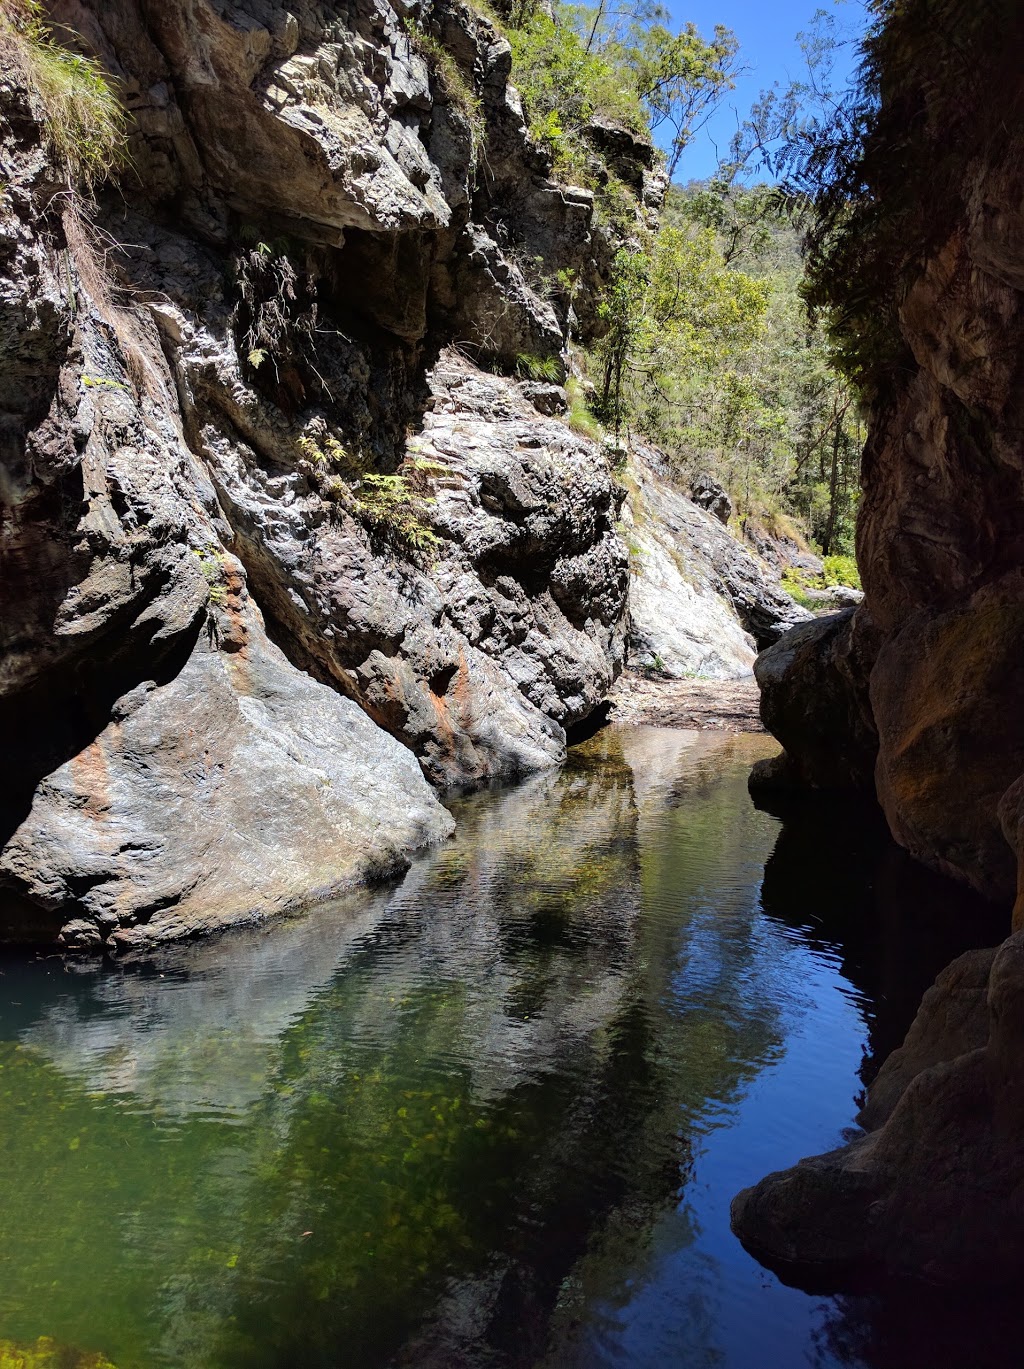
point(492, 1115)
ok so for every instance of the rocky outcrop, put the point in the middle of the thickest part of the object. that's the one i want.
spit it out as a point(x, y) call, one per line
point(271, 554)
point(931, 669)
point(700, 602)
point(281, 543)
point(825, 720)
point(934, 1189)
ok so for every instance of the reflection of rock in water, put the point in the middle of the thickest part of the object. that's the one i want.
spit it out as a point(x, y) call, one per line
point(479, 1090)
point(838, 879)
point(196, 1029)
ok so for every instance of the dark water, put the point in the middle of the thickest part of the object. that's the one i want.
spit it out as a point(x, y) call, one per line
point(493, 1116)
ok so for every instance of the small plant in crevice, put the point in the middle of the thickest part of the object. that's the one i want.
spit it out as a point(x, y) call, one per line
point(391, 506)
point(579, 417)
point(529, 367)
point(276, 310)
point(213, 562)
point(456, 86)
point(653, 668)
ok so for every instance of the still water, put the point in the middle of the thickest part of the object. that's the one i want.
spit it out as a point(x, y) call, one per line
point(490, 1116)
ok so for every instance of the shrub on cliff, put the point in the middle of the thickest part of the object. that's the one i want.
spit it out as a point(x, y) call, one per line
point(72, 96)
point(574, 63)
point(885, 170)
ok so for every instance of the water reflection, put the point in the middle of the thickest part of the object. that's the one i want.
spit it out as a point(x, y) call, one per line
point(491, 1116)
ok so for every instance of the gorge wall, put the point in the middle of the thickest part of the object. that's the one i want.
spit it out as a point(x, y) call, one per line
point(916, 696)
point(286, 548)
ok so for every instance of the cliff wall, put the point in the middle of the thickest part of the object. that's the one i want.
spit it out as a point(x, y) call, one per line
point(286, 549)
point(916, 696)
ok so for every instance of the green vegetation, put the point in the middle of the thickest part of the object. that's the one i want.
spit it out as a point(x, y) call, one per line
point(706, 343)
point(626, 66)
point(276, 311)
point(213, 563)
point(83, 123)
point(580, 418)
point(803, 586)
point(883, 178)
point(46, 1353)
point(456, 85)
point(538, 368)
point(393, 506)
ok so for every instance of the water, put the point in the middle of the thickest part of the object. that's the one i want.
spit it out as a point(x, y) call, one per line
point(492, 1116)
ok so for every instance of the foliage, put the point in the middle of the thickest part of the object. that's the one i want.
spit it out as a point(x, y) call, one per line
point(457, 87)
point(276, 313)
point(842, 570)
point(669, 310)
point(679, 78)
point(538, 368)
point(393, 506)
point(805, 586)
point(572, 64)
point(213, 563)
point(579, 417)
point(563, 86)
point(880, 166)
point(83, 123)
point(710, 352)
point(46, 1353)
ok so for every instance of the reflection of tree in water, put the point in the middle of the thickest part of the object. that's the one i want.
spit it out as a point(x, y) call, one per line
point(517, 1093)
point(838, 879)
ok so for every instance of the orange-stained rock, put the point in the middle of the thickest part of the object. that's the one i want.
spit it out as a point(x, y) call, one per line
point(946, 694)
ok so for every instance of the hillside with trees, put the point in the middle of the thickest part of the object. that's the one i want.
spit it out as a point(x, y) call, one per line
point(708, 347)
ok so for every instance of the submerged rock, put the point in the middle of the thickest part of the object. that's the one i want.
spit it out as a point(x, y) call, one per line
point(47, 1353)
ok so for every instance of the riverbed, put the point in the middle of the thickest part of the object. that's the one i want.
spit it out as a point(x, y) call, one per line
point(493, 1114)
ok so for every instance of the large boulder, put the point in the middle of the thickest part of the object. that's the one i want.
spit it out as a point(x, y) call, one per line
point(814, 700)
point(237, 789)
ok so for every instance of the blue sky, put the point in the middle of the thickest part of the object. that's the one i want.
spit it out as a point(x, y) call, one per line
point(767, 31)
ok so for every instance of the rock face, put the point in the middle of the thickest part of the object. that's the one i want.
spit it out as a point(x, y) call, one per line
point(825, 720)
point(700, 602)
point(923, 685)
point(933, 1189)
point(276, 551)
point(271, 555)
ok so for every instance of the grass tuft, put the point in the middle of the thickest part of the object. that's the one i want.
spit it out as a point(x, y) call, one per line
point(84, 126)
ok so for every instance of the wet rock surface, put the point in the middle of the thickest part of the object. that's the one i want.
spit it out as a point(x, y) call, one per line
point(693, 705)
